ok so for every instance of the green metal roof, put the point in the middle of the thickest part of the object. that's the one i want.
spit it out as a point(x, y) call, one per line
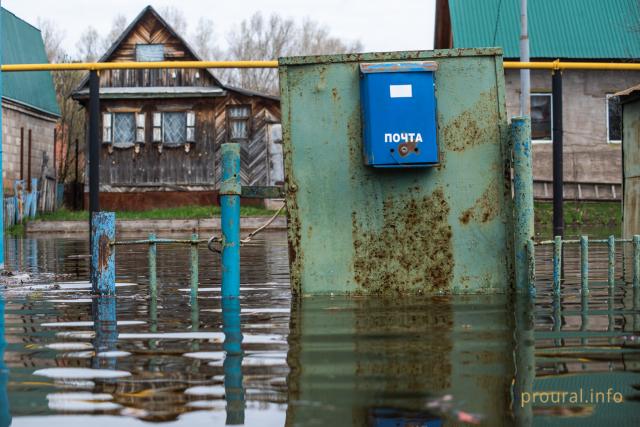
point(22, 44)
point(577, 29)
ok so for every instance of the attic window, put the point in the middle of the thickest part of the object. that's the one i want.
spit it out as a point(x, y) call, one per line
point(149, 52)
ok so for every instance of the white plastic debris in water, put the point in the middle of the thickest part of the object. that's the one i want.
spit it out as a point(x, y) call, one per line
point(211, 390)
point(74, 384)
point(207, 355)
point(263, 361)
point(78, 355)
point(80, 373)
point(69, 346)
point(79, 395)
point(114, 353)
point(207, 404)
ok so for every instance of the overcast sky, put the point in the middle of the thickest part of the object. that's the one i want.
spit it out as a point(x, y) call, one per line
point(381, 25)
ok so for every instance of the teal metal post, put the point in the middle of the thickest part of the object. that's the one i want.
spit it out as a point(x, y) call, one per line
point(557, 264)
point(230, 191)
point(523, 189)
point(636, 260)
point(531, 261)
point(584, 264)
point(194, 267)
point(153, 274)
point(1, 171)
point(103, 254)
point(233, 387)
point(611, 271)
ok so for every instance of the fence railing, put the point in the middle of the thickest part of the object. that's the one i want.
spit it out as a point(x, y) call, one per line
point(558, 245)
point(44, 196)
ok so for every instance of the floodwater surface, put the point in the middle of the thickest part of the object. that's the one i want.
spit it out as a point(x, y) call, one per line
point(177, 355)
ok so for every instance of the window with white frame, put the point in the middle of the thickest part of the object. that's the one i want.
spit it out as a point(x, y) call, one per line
point(124, 129)
point(614, 120)
point(541, 117)
point(174, 128)
point(238, 126)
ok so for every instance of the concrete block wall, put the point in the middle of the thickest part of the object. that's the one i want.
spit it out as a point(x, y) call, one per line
point(42, 130)
point(588, 157)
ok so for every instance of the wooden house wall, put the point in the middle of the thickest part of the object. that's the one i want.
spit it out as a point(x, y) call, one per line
point(150, 30)
point(122, 169)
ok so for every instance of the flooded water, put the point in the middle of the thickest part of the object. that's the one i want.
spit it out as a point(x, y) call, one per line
point(180, 357)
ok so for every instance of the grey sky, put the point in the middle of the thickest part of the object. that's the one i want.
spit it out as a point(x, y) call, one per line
point(381, 25)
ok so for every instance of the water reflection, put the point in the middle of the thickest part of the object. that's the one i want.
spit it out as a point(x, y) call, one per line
point(169, 349)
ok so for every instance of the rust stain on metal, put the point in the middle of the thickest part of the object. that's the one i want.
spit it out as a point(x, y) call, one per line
point(485, 207)
point(411, 253)
point(465, 131)
point(104, 252)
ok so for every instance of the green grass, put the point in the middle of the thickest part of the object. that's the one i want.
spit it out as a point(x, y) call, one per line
point(183, 212)
point(596, 219)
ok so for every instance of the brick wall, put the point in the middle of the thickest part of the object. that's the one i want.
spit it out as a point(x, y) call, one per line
point(15, 117)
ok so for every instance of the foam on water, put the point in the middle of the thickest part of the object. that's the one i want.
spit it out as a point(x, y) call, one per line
point(81, 373)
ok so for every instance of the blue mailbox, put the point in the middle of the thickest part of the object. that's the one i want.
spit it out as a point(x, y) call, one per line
point(399, 114)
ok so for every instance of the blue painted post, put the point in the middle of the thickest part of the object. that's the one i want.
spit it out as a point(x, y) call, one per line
point(103, 259)
point(636, 260)
point(230, 191)
point(584, 264)
point(611, 271)
point(557, 264)
point(234, 391)
point(523, 189)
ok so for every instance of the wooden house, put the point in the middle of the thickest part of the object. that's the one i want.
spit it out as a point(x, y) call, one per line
point(162, 128)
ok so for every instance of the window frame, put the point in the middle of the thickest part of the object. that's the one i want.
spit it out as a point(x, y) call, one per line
point(247, 118)
point(158, 124)
point(542, 141)
point(108, 129)
point(606, 112)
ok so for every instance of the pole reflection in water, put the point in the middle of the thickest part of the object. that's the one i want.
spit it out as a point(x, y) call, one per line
point(525, 357)
point(5, 415)
point(106, 330)
point(234, 391)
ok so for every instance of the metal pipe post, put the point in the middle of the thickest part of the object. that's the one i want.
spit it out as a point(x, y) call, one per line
point(103, 253)
point(230, 190)
point(1, 172)
point(94, 145)
point(636, 260)
point(525, 75)
point(153, 278)
point(611, 271)
point(531, 261)
point(558, 184)
point(523, 189)
point(194, 267)
point(584, 264)
point(557, 264)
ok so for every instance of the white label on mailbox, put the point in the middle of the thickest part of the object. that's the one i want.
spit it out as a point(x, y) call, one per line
point(400, 91)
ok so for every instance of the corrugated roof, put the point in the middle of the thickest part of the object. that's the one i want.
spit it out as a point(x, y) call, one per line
point(22, 44)
point(576, 29)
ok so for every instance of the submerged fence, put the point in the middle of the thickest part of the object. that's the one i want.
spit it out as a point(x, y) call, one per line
point(42, 196)
point(558, 245)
